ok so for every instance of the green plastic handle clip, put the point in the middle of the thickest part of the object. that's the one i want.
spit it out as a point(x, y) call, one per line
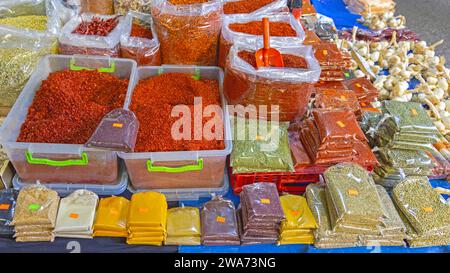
point(187, 168)
point(196, 76)
point(64, 163)
point(110, 69)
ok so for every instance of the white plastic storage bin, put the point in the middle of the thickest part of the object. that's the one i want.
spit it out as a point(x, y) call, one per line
point(182, 169)
point(60, 163)
point(118, 187)
point(193, 194)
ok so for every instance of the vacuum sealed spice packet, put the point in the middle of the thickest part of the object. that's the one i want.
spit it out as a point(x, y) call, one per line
point(117, 131)
point(245, 28)
point(142, 44)
point(125, 6)
point(7, 206)
point(337, 99)
point(424, 208)
point(254, 7)
point(93, 34)
point(264, 149)
point(263, 202)
point(188, 33)
point(183, 226)
point(111, 217)
point(219, 223)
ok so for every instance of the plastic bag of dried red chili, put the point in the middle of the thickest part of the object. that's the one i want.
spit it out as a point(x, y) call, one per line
point(188, 30)
point(284, 29)
point(93, 34)
point(289, 88)
point(142, 45)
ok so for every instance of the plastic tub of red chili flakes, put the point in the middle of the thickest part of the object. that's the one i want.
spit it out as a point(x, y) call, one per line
point(180, 169)
point(78, 36)
point(289, 87)
point(284, 30)
point(53, 162)
point(254, 6)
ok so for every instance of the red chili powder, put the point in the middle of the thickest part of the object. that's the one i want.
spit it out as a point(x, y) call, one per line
point(140, 31)
point(153, 101)
point(97, 26)
point(187, 2)
point(290, 61)
point(70, 104)
point(279, 29)
point(244, 6)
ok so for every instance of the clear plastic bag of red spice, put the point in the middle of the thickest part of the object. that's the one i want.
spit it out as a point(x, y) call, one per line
point(145, 51)
point(188, 34)
point(228, 35)
point(105, 7)
point(71, 43)
point(254, 7)
point(327, 98)
point(288, 88)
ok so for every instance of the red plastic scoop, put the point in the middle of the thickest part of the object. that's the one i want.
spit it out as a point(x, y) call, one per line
point(268, 56)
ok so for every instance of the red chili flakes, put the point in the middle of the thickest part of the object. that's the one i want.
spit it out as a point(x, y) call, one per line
point(277, 29)
point(245, 6)
point(290, 61)
point(97, 26)
point(153, 101)
point(187, 2)
point(70, 104)
point(141, 32)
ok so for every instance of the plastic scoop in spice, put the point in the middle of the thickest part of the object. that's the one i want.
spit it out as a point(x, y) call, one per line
point(117, 131)
point(267, 56)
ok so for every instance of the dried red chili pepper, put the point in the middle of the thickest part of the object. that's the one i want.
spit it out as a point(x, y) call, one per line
point(153, 101)
point(97, 26)
point(245, 6)
point(69, 105)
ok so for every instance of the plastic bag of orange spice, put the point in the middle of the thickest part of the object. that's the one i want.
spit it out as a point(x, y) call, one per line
point(289, 88)
point(284, 29)
point(254, 6)
point(188, 30)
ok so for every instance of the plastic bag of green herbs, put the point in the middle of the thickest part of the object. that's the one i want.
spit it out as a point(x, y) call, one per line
point(410, 117)
point(399, 158)
point(425, 209)
point(260, 146)
point(20, 52)
point(393, 223)
point(354, 194)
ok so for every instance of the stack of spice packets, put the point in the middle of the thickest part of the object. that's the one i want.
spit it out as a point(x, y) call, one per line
point(7, 206)
point(337, 99)
point(359, 213)
point(147, 219)
point(333, 136)
point(35, 214)
point(425, 212)
point(76, 215)
point(260, 214)
point(183, 226)
point(397, 164)
point(111, 218)
point(332, 61)
point(324, 235)
point(299, 223)
point(219, 223)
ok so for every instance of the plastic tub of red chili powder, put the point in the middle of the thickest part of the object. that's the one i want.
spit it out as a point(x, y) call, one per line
point(285, 30)
point(254, 6)
point(289, 87)
point(163, 160)
point(93, 34)
point(188, 30)
point(39, 132)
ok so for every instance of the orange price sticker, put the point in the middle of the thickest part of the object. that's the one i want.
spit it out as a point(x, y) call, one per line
point(353, 192)
point(265, 201)
point(414, 112)
point(340, 124)
point(428, 209)
point(358, 85)
point(295, 212)
point(220, 219)
point(325, 52)
point(74, 215)
point(4, 206)
point(143, 210)
point(117, 125)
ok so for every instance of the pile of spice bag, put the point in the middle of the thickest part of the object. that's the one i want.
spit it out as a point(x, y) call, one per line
point(147, 218)
point(413, 144)
point(260, 214)
point(352, 211)
point(183, 226)
point(333, 136)
point(333, 62)
point(299, 223)
point(424, 211)
point(76, 215)
point(111, 219)
point(35, 214)
point(219, 223)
